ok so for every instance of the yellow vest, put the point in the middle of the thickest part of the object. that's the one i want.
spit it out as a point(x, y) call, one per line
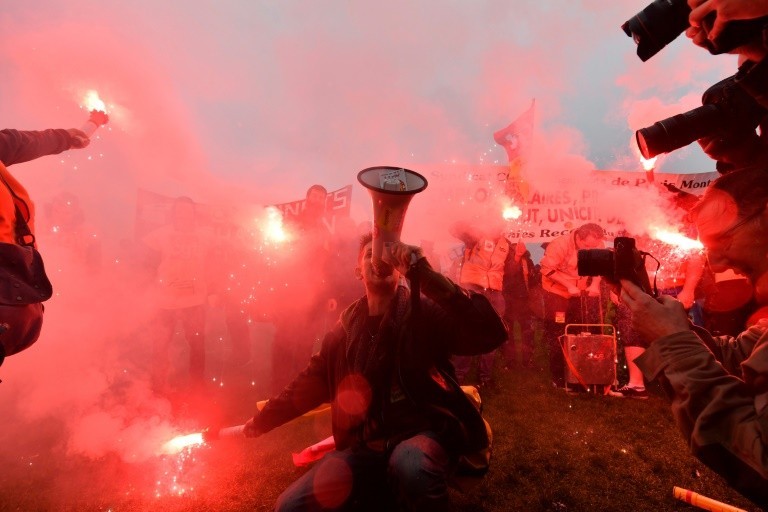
point(484, 263)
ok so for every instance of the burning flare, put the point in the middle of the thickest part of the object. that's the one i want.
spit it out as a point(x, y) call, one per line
point(676, 239)
point(272, 226)
point(92, 102)
point(179, 443)
point(98, 113)
point(648, 164)
point(512, 212)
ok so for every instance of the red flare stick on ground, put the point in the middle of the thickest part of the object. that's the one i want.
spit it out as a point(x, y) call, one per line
point(701, 501)
point(223, 433)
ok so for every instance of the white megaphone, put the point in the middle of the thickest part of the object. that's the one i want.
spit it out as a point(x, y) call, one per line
point(391, 188)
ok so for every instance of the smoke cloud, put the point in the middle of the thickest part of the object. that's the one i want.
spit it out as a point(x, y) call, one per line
point(240, 105)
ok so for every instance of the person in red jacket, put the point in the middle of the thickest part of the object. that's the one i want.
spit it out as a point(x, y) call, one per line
point(21, 146)
point(22, 327)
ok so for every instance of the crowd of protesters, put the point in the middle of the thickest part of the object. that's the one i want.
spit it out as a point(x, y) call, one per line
point(393, 363)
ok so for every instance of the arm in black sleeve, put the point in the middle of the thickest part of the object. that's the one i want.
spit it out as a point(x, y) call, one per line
point(468, 323)
point(307, 391)
point(21, 146)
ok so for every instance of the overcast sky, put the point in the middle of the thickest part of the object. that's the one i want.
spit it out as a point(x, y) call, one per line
point(263, 98)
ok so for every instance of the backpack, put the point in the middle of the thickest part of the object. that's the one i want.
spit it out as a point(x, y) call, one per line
point(24, 285)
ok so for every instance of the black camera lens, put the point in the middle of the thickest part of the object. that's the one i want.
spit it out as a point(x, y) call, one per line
point(657, 25)
point(677, 131)
point(728, 111)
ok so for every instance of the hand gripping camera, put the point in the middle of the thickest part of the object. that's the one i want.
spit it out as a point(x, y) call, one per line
point(727, 109)
point(662, 21)
point(624, 261)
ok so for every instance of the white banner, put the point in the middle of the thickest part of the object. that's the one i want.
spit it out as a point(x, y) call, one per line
point(548, 208)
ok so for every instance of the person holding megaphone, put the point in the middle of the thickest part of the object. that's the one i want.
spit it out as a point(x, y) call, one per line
point(402, 425)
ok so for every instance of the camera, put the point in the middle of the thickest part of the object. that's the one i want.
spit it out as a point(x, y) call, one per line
point(624, 261)
point(662, 21)
point(727, 110)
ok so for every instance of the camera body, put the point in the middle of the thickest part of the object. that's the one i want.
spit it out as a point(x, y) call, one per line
point(662, 21)
point(624, 261)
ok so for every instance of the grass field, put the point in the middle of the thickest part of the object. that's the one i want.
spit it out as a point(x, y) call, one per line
point(552, 452)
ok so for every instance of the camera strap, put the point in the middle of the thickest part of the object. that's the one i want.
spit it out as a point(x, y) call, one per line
point(643, 255)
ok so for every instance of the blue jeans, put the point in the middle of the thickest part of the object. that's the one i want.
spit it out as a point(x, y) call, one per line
point(413, 477)
point(485, 362)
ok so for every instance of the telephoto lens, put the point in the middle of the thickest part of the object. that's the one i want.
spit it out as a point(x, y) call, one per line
point(677, 131)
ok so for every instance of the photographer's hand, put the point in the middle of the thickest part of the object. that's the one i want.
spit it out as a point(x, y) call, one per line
point(739, 150)
point(653, 318)
point(726, 10)
point(697, 36)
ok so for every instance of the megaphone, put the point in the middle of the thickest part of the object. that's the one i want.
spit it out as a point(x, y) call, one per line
point(391, 189)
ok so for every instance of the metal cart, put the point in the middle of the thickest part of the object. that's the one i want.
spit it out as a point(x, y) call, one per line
point(590, 356)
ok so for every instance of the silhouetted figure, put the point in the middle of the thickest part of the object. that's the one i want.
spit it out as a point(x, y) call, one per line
point(516, 290)
point(181, 288)
point(302, 300)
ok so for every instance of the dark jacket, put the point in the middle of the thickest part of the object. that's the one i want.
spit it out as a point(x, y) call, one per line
point(517, 275)
point(21, 146)
point(452, 321)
